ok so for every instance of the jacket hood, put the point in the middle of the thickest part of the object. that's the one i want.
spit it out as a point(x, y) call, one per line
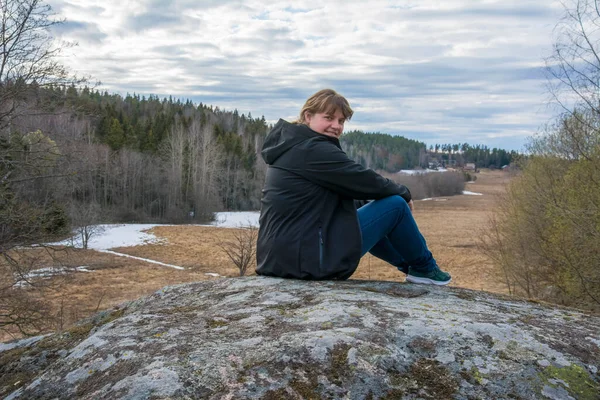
point(283, 137)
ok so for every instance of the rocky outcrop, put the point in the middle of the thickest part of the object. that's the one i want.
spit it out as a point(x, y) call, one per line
point(265, 338)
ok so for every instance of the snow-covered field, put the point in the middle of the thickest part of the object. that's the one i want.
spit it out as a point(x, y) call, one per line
point(115, 235)
point(236, 219)
point(420, 171)
point(126, 235)
point(466, 192)
point(110, 236)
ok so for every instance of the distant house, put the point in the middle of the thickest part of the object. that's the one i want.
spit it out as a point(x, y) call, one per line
point(433, 163)
point(510, 167)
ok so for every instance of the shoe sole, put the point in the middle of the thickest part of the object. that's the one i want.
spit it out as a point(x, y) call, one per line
point(426, 281)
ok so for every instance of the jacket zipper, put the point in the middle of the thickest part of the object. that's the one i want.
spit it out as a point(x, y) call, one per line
point(321, 244)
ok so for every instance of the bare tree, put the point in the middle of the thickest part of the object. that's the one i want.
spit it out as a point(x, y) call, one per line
point(85, 219)
point(174, 153)
point(241, 249)
point(28, 54)
point(574, 78)
point(28, 162)
point(22, 312)
point(205, 173)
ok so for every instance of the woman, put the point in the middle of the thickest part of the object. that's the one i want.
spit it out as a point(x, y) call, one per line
point(309, 225)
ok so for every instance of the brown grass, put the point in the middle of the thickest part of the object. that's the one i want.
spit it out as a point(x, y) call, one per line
point(451, 227)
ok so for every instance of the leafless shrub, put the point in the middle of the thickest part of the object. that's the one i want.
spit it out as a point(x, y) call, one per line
point(241, 249)
point(23, 310)
point(85, 219)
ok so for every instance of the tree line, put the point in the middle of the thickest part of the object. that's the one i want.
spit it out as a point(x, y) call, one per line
point(381, 151)
point(480, 155)
point(139, 158)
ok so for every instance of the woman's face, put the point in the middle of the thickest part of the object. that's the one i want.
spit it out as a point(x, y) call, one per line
point(327, 124)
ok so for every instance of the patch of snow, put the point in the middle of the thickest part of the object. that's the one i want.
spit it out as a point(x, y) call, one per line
point(411, 172)
point(420, 171)
point(47, 273)
point(121, 235)
point(111, 235)
point(212, 274)
point(472, 193)
point(127, 235)
point(427, 199)
point(236, 219)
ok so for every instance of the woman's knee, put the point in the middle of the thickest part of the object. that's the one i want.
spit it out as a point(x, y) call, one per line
point(399, 203)
point(394, 203)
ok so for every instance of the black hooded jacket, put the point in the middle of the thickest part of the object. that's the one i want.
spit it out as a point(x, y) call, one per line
point(308, 223)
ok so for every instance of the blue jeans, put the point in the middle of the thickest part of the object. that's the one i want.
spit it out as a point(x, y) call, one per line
point(390, 232)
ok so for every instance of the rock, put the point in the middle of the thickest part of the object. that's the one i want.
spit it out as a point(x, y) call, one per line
point(266, 338)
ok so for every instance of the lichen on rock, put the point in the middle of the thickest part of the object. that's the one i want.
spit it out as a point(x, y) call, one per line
point(268, 338)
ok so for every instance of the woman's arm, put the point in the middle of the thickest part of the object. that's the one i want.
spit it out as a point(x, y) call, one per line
point(328, 166)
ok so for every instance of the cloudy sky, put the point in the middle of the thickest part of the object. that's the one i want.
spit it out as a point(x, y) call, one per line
point(437, 71)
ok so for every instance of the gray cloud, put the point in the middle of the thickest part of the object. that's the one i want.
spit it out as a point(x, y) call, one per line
point(491, 11)
point(183, 50)
point(469, 71)
point(59, 7)
point(150, 20)
point(274, 44)
point(181, 5)
point(81, 31)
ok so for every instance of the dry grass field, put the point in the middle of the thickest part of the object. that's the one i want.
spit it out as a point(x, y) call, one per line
point(450, 225)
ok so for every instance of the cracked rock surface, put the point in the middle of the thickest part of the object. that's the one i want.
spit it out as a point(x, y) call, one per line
point(268, 338)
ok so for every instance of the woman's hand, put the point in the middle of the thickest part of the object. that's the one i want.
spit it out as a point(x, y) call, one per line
point(411, 205)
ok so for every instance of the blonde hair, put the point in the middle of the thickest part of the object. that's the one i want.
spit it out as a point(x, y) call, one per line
point(325, 101)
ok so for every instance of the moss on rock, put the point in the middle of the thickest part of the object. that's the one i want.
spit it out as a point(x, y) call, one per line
point(435, 380)
point(574, 379)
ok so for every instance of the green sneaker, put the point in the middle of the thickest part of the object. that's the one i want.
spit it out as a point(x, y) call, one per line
point(435, 277)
